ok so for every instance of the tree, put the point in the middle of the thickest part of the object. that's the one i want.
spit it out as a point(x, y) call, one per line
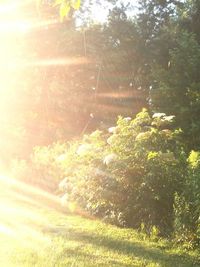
point(176, 88)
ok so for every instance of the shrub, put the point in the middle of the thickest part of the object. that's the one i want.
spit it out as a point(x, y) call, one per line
point(187, 204)
point(130, 174)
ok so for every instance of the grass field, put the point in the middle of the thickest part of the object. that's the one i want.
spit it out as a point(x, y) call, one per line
point(34, 231)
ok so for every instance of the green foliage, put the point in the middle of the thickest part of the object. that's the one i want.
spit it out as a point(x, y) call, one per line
point(135, 174)
point(187, 205)
point(130, 175)
point(64, 6)
point(43, 169)
point(45, 162)
point(176, 88)
point(170, 33)
point(48, 237)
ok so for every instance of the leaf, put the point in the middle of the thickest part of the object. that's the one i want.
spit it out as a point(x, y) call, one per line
point(65, 6)
point(75, 4)
point(152, 155)
point(64, 10)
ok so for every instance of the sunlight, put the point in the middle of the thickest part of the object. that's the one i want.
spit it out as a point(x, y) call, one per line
point(24, 26)
point(19, 218)
point(17, 186)
point(99, 133)
point(10, 26)
point(12, 5)
point(11, 16)
point(19, 25)
point(5, 230)
point(56, 62)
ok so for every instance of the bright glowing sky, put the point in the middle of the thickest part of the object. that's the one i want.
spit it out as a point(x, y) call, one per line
point(100, 11)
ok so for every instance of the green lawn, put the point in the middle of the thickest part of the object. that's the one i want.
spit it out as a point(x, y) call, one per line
point(35, 232)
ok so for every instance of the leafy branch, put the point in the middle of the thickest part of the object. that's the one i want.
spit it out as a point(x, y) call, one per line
point(64, 6)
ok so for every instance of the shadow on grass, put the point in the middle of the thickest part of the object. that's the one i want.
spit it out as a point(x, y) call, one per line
point(134, 249)
point(34, 198)
point(93, 260)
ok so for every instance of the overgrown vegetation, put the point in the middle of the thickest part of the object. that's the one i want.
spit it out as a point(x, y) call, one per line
point(72, 80)
point(136, 174)
point(130, 175)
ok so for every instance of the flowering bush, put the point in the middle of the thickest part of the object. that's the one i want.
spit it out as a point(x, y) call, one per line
point(127, 175)
point(130, 174)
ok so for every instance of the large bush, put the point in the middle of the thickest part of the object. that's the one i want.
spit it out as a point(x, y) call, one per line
point(130, 174)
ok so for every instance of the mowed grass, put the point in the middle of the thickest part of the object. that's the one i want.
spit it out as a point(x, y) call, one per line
point(34, 232)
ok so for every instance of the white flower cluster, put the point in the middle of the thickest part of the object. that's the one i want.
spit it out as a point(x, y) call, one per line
point(112, 129)
point(127, 119)
point(110, 158)
point(158, 115)
point(61, 158)
point(163, 117)
point(83, 149)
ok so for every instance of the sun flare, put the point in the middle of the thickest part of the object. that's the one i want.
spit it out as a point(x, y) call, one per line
point(18, 221)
